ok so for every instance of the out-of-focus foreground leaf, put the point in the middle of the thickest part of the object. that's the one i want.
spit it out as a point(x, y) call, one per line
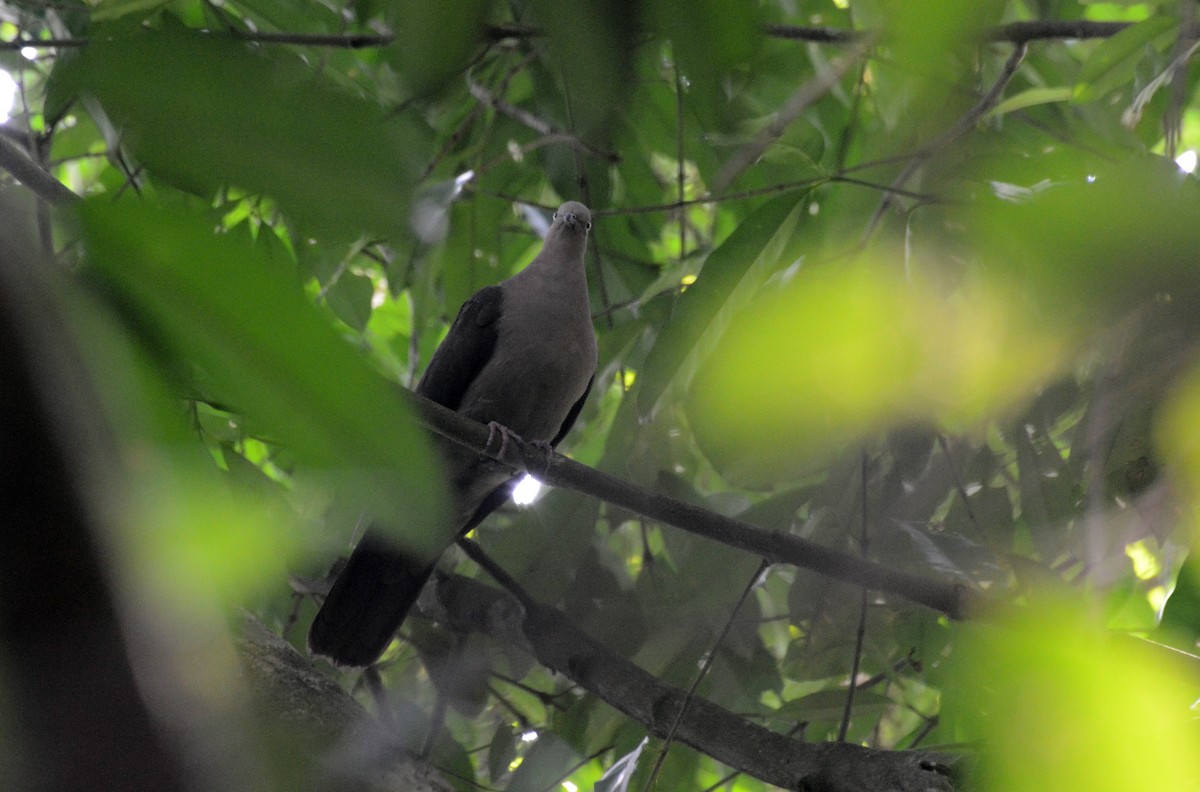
point(1063, 706)
point(759, 242)
point(839, 354)
point(203, 111)
point(1100, 243)
point(266, 351)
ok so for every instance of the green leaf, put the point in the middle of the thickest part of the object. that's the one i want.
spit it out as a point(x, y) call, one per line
point(115, 9)
point(203, 111)
point(433, 46)
point(758, 243)
point(502, 751)
point(1043, 676)
point(618, 776)
point(1114, 62)
point(589, 49)
point(1031, 98)
point(265, 350)
point(544, 765)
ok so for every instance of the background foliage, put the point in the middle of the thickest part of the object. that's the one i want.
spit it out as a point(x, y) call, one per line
point(927, 294)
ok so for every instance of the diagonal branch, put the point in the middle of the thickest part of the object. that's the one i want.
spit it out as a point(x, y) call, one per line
point(953, 599)
point(757, 751)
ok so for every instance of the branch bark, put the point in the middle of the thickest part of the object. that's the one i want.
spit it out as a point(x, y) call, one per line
point(1013, 32)
point(954, 599)
point(310, 712)
point(16, 160)
point(714, 731)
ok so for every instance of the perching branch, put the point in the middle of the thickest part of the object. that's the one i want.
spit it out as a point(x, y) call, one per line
point(714, 731)
point(954, 599)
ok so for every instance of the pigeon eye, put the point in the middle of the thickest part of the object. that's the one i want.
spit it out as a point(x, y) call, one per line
point(589, 227)
point(555, 217)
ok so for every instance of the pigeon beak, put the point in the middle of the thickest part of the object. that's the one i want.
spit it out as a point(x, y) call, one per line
point(570, 219)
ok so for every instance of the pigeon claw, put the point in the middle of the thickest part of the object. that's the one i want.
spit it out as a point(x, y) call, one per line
point(497, 429)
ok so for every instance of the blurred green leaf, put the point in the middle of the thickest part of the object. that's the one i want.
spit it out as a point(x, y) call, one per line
point(759, 245)
point(839, 354)
point(590, 47)
point(115, 9)
point(1062, 706)
point(266, 351)
point(204, 111)
point(1031, 98)
point(1101, 243)
point(502, 751)
point(543, 765)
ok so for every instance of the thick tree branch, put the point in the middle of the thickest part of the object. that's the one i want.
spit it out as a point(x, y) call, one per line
point(293, 700)
point(772, 757)
point(953, 599)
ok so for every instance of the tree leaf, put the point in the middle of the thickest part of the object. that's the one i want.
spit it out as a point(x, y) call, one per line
point(203, 112)
point(1114, 61)
point(502, 750)
point(266, 351)
point(1031, 98)
point(618, 776)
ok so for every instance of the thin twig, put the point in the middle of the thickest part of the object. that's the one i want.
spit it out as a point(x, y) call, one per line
point(538, 125)
point(704, 669)
point(522, 719)
point(476, 110)
point(485, 562)
point(679, 159)
point(1014, 32)
point(958, 483)
point(861, 632)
